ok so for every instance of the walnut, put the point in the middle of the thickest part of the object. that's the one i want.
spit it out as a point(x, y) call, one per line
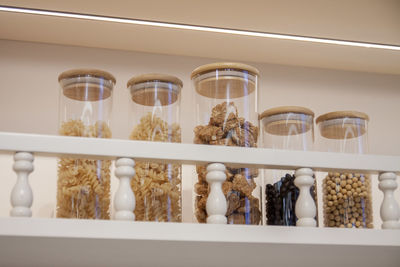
point(251, 129)
point(243, 185)
point(223, 112)
point(226, 187)
point(226, 128)
point(231, 124)
point(201, 215)
point(249, 172)
point(201, 202)
point(243, 138)
point(201, 189)
point(233, 203)
point(210, 133)
point(236, 218)
point(223, 142)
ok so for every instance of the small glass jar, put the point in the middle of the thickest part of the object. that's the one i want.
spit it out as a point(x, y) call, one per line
point(346, 195)
point(155, 116)
point(226, 111)
point(83, 186)
point(290, 128)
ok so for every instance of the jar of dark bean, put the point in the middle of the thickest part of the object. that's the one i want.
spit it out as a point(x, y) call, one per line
point(347, 195)
point(285, 128)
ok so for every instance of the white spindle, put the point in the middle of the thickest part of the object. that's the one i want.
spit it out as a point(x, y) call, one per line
point(124, 199)
point(305, 204)
point(390, 211)
point(216, 202)
point(21, 194)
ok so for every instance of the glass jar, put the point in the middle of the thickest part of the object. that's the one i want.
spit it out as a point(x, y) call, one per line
point(83, 186)
point(346, 195)
point(226, 111)
point(155, 116)
point(290, 128)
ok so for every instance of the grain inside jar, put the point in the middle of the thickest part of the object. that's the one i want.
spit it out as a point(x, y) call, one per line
point(226, 114)
point(155, 116)
point(83, 185)
point(347, 196)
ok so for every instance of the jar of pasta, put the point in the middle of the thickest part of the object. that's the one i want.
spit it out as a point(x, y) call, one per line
point(155, 116)
point(290, 128)
point(346, 195)
point(83, 186)
point(226, 111)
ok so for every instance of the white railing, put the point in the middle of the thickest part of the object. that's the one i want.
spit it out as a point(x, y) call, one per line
point(126, 151)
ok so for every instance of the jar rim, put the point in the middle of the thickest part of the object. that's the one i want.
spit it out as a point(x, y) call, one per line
point(223, 65)
point(154, 77)
point(286, 109)
point(86, 72)
point(342, 114)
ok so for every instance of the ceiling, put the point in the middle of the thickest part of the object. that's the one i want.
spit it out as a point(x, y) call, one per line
point(376, 21)
point(358, 20)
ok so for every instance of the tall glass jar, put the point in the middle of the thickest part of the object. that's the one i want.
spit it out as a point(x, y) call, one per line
point(226, 110)
point(346, 194)
point(155, 116)
point(290, 128)
point(83, 187)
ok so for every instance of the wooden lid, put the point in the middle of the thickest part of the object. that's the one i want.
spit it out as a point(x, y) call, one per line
point(346, 129)
point(287, 120)
point(86, 72)
point(342, 131)
point(224, 65)
point(154, 95)
point(87, 91)
point(225, 87)
point(342, 114)
point(286, 109)
point(151, 77)
point(287, 127)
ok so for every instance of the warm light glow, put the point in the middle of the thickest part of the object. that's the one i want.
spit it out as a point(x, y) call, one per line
point(196, 28)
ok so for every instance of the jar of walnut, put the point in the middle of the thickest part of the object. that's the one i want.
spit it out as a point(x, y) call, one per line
point(83, 186)
point(226, 111)
point(155, 116)
point(347, 197)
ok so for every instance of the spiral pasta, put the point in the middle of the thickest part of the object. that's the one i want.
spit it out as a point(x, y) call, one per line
point(157, 186)
point(83, 186)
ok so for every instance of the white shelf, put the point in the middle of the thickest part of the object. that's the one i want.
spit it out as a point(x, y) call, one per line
point(56, 242)
point(193, 154)
point(380, 27)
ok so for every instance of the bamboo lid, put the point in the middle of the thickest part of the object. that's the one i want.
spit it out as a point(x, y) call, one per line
point(342, 114)
point(89, 88)
point(87, 91)
point(152, 77)
point(224, 65)
point(287, 120)
point(86, 72)
point(225, 87)
point(345, 129)
point(155, 94)
point(286, 109)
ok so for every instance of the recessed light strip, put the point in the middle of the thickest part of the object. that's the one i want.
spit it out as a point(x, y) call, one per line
point(196, 27)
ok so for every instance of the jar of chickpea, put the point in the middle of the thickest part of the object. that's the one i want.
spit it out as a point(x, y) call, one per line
point(346, 195)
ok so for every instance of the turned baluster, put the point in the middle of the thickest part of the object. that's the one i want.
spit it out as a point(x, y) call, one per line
point(390, 211)
point(21, 194)
point(216, 205)
point(306, 209)
point(124, 199)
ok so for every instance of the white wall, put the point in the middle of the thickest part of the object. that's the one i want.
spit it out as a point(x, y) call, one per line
point(29, 101)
